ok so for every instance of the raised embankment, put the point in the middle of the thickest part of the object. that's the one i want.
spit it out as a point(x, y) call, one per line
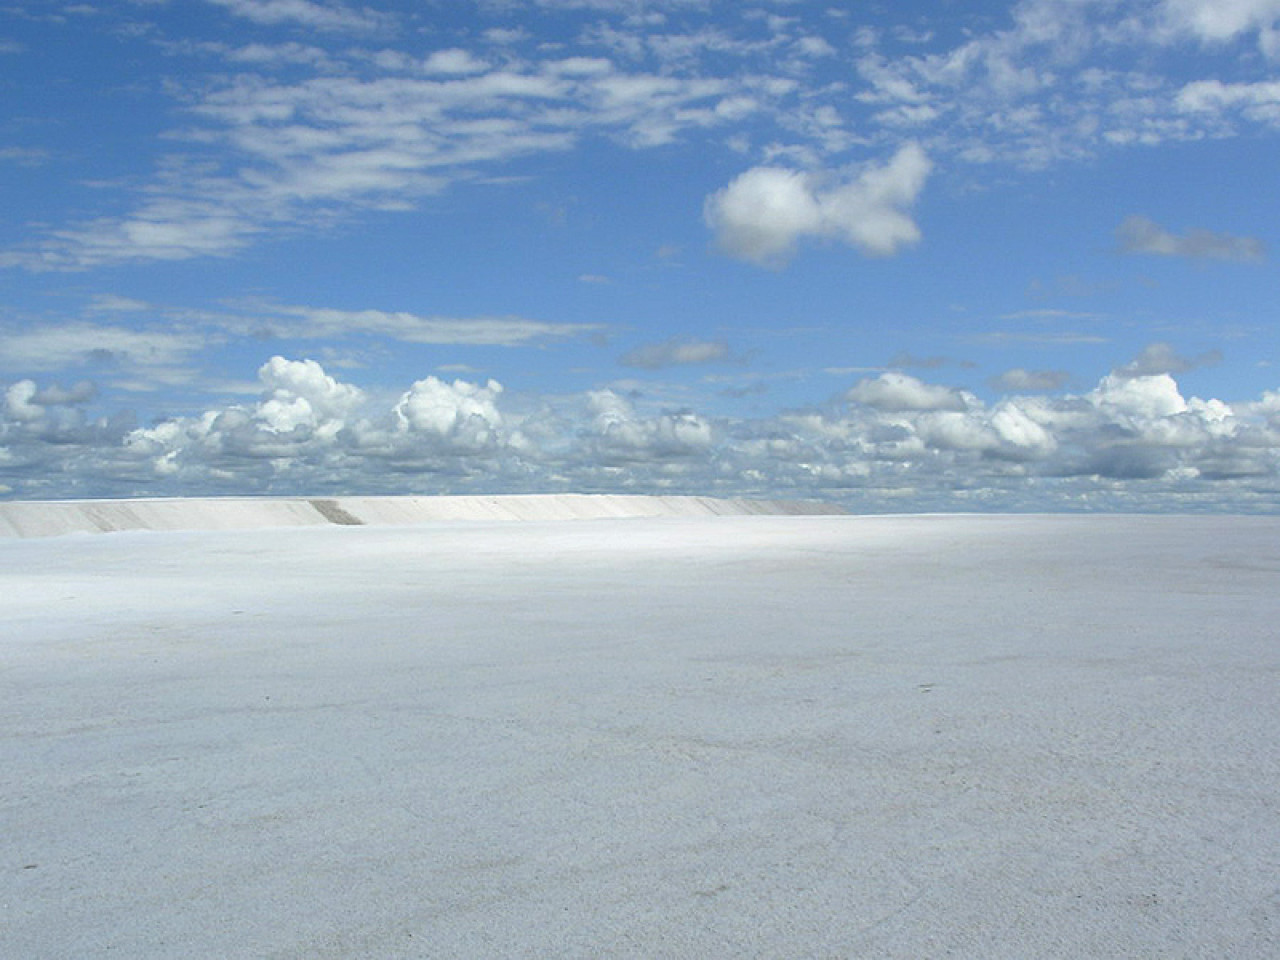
point(48, 518)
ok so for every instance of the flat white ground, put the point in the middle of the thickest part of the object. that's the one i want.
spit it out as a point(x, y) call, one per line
point(724, 737)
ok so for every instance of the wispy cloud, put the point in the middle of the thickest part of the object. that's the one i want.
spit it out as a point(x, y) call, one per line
point(1138, 234)
point(1215, 22)
point(308, 152)
point(1162, 358)
point(80, 344)
point(312, 14)
point(1213, 101)
point(142, 346)
point(313, 323)
point(1050, 313)
point(1047, 337)
point(671, 353)
point(24, 156)
point(284, 133)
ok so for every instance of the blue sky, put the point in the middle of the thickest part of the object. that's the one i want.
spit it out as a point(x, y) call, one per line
point(906, 256)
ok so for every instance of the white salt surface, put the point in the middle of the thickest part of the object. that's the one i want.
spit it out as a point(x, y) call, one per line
point(714, 737)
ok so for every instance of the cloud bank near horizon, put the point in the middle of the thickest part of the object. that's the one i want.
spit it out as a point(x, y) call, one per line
point(889, 440)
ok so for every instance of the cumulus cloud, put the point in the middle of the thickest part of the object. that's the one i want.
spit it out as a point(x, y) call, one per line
point(1146, 397)
point(27, 403)
point(301, 394)
point(899, 391)
point(676, 352)
point(301, 418)
point(617, 433)
point(764, 213)
point(461, 413)
point(50, 446)
point(18, 401)
point(1138, 234)
point(1134, 441)
point(1135, 428)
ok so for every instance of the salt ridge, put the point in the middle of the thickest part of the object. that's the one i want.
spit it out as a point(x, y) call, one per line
point(58, 517)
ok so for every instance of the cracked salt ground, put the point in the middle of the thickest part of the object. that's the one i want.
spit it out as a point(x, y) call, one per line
point(657, 737)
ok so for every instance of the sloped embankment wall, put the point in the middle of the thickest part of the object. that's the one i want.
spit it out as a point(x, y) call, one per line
point(53, 518)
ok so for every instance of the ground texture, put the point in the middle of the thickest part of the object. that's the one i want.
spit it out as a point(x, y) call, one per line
point(658, 737)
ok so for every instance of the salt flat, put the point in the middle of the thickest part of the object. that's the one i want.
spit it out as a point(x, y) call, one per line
point(649, 737)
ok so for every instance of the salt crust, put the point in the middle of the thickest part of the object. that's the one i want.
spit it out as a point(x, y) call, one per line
point(654, 737)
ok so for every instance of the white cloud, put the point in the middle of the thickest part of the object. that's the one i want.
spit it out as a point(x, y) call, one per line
point(114, 303)
point(1016, 427)
point(180, 222)
point(300, 393)
point(1060, 81)
point(280, 54)
point(764, 213)
point(462, 413)
point(346, 129)
point(814, 46)
point(652, 356)
point(24, 156)
point(899, 391)
point(310, 151)
point(618, 434)
point(81, 344)
point(1031, 336)
point(18, 402)
point(1139, 397)
point(1221, 20)
point(454, 61)
point(1138, 234)
point(1258, 101)
point(306, 13)
point(303, 322)
point(1128, 428)
point(164, 344)
point(1134, 440)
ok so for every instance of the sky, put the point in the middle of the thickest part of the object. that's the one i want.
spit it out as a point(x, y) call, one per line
point(902, 256)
